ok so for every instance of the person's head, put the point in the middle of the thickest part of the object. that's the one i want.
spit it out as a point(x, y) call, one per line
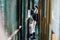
point(36, 6)
point(52, 32)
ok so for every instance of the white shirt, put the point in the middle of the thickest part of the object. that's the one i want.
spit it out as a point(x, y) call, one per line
point(32, 27)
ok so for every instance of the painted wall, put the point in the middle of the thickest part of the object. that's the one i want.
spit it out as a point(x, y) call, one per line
point(55, 17)
point(8, 9)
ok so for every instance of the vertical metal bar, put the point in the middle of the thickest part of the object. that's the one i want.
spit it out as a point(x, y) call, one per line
point(23, 19)
point(19, 18)
point(17, 13)
point(44, 21)
point(50, 18)
point(29, 4)
point(39, 19)
point(47, 20)
point(26, 16)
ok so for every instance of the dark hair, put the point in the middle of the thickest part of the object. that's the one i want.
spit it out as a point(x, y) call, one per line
point(36, 6)
point(34, 16)
point(52, 32)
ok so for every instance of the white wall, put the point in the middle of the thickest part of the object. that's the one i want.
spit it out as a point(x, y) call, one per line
point(55, 17)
